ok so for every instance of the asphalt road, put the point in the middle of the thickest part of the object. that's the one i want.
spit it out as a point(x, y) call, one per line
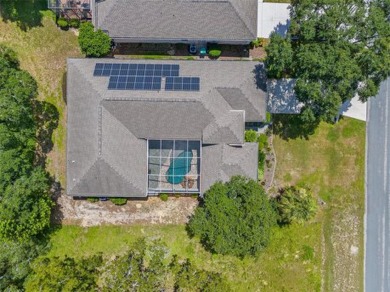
point(377, 223)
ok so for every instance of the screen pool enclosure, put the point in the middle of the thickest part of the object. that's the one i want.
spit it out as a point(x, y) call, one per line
point(174, 166)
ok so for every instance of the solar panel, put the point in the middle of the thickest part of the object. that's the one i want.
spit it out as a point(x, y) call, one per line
point(113, 69)
point(134, 83)
point(182, 84)
point(145, 77)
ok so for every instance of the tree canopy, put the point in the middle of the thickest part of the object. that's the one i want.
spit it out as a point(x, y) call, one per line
point(235, 218)
point(25, 204)
point(335, 50)
point(294, 204)
point(146, 266)
point(93, 43)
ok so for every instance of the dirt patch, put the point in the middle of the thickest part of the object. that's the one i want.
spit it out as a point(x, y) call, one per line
point(153, 210)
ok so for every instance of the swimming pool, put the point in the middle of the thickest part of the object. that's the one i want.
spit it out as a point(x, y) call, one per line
point(179, 167)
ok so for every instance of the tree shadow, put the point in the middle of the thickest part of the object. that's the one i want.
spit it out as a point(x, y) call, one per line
point(56, 214)
point(26, 13)
point(288, 126)
point(260, 77)
point(282, 28)
point(47, 117)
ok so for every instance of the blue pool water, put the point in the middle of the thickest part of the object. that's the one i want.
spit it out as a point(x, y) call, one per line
point(180, 166)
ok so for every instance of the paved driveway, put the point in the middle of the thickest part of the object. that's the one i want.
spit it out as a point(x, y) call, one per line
point(377, 235)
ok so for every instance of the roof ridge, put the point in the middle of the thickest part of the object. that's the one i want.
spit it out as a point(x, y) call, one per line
point(123, 177)
point(114, 117)
point(240, 17)
point(230, 122)
point(81, 179)
point(248, 99)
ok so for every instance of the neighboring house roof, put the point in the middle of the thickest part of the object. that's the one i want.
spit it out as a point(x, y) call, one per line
point(208, 20)
point(108, 129)
point(282, 98)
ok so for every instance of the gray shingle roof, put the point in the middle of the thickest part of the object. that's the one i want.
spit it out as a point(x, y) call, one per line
point(223, 20)
point(221, 161)
point(107, 129)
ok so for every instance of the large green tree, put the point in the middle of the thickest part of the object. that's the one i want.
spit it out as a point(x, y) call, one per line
point(336, 50)
point(68, 274)
point(235, 218)
point(25, 204)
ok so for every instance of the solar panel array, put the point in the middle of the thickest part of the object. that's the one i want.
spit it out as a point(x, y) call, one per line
point(108, 69)
point(145, 77)
point(182, 83)
point(134, 83)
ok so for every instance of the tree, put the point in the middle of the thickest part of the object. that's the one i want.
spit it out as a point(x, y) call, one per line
point(15, 259)
point(141, 269)
point(295, 205)
point(279, 56)
point(68, 274)
point(189, 278)
point(26, 206)
point(235, 218)
point(93, 43)
point(335, 50)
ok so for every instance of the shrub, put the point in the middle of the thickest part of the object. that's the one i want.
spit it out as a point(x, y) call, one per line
point(62, 23)
point(74, 23)
point(164, 197)
point(255, 43)
point(235, 218)
point(295, 204)
point(93, 43)
point(215, 53)
point(263, 141)
point(92, 199)
point(259, 42)
point(118, 201)
point(250, 136)
point(268, 117)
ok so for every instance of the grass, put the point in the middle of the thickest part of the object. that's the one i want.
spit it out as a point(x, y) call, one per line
point(42, 49)
point(290, 262)
point(331, 163)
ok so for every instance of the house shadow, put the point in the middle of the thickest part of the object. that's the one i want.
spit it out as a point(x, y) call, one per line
point(26, 13)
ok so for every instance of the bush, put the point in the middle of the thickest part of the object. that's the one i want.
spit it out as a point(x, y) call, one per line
point(268, 117)
point(250, 136)
point(93, 43)
point(92, 199)
point(235, 218)
point(259, 42)
point(215, 53)
point(74, 23)
point(62, 23)
point(263, 141)
point(118, 201)
point(295, 204)
point(164, 197)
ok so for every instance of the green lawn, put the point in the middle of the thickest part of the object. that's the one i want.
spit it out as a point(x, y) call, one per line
point(331, 162)
point(290, 263)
